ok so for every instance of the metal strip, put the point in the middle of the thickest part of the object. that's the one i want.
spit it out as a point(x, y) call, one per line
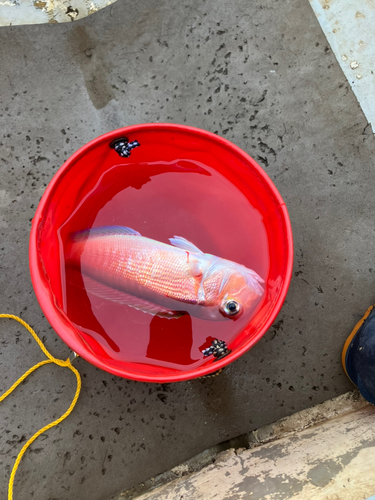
point(349, 26)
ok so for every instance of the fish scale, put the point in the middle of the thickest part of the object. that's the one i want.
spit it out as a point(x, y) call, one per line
point(127, 261)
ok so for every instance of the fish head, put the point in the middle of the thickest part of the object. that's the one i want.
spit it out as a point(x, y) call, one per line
point(232, 288)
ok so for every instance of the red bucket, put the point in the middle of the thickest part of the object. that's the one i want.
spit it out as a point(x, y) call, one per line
point(216, 196)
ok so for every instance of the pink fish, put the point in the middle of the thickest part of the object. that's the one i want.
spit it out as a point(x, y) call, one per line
point(120, 265)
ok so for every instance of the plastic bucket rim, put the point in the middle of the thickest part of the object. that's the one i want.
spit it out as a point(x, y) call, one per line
point(44, 294)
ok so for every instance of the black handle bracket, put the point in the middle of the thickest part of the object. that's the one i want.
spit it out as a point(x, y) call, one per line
point(123, 147)
point(218, 349)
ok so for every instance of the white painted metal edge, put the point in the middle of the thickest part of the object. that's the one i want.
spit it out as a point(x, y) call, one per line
point(349, 26)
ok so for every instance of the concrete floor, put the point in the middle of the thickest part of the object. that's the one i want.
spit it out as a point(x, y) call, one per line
point(260, 74)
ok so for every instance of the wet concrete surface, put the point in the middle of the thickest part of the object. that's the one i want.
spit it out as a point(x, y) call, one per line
point(259, 74)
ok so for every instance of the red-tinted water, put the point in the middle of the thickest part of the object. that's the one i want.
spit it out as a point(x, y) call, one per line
point(162, 199)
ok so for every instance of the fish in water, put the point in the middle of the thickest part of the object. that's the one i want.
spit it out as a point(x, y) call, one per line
point(119, 264)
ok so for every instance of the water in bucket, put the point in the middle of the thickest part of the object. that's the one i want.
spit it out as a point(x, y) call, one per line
point(159, 200)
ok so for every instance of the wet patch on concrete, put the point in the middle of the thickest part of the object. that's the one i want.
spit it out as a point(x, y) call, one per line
point(95, 69)
point(276, 450)
point(322, 473)
point(278, 488)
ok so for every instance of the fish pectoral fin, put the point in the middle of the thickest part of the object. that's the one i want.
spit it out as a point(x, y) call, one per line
point(112, 294)
point(96, 232)
point(195, 266)
point(184, 244)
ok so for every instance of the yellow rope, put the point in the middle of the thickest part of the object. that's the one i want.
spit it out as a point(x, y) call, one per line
point(50, 359)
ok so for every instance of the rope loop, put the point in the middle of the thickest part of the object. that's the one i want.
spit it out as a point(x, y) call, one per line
point(51, 359)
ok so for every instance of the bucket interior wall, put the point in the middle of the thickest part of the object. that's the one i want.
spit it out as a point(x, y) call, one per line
point(159, 149)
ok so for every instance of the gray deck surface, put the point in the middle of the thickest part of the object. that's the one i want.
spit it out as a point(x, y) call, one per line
point(259, 73)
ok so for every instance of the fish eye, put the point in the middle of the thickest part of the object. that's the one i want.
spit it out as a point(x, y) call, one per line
point(231, 307)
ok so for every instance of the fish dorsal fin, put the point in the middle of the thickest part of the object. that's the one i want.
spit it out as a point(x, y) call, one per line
point(112, 294)
point(96, 232)
point(184, 244)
